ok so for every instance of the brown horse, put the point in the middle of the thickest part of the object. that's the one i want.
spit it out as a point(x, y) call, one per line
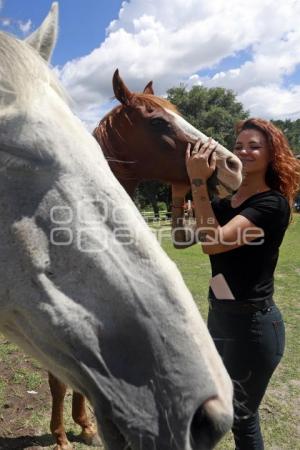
point(144, 138)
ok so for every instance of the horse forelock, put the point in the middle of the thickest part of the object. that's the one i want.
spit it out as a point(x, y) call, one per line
point(21, 67)
point(152, 101)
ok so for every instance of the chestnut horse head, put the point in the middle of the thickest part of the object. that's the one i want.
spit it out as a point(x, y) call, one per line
point(145, 138)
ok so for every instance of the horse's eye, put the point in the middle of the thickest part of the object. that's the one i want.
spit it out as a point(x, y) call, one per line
point(159, 124)
point(20, 159)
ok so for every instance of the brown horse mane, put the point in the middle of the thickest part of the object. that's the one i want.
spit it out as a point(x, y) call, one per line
point(107, 136)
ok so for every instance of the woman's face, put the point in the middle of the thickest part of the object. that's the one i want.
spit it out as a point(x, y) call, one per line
point(253, 150)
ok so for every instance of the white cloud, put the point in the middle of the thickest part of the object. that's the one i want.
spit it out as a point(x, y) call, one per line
point(25, 27)
point(272, 101)
point(171, 42)
point(270, 63)
point(5, 22)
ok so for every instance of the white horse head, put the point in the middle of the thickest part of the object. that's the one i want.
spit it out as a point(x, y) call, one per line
point(84, 285)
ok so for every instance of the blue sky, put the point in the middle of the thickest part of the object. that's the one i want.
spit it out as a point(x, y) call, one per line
point(253, 51)
point(82, 23)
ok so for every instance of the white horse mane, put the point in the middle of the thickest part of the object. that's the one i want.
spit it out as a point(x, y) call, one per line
point(26, 72)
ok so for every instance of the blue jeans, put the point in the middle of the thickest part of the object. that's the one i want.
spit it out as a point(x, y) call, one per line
point(251, 346)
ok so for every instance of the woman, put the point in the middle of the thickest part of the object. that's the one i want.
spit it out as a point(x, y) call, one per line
point(242, 235)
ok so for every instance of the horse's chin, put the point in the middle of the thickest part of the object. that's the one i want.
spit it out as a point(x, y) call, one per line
point(229, 182)
point(112, 436)
point(231, 189)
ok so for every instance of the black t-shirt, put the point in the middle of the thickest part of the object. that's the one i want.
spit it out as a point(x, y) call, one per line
point(249, 269)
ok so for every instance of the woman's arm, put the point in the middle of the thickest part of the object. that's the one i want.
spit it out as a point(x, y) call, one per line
point(213, 237)
point(201, 163)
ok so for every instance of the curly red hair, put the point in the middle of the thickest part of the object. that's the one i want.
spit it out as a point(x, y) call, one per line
point(283, 173)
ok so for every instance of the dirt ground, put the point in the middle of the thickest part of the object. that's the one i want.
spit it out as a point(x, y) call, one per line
point(18, 406)
point(25, 403)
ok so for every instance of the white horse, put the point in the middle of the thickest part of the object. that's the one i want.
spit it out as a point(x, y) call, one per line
point(84, 285)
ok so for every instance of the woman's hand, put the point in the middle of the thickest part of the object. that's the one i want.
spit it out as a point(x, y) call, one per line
point(201, 160)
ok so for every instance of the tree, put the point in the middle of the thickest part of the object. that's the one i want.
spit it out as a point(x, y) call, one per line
point(291, 131)
point(213, 111)
point(152, 192)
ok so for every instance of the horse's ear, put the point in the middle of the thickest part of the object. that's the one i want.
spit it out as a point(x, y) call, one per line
point(44, 38)
point(122, 93)
point(149, 88)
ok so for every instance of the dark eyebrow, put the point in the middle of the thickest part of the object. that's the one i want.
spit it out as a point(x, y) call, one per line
point(250, 142)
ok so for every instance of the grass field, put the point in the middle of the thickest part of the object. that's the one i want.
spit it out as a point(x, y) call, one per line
point(24, 416)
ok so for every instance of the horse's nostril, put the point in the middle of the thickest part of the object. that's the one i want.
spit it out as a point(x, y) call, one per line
point(202, 430)
point(233, 164)
point(207, 427)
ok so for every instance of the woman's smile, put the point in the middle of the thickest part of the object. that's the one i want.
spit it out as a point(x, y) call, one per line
point(246, 160)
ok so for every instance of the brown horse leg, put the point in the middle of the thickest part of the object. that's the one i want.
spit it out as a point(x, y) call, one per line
point(89, 432)
point(58, 392)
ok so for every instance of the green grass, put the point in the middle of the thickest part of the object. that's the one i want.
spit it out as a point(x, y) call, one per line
point(31, 380)
point(7, 349)
point(2, 391)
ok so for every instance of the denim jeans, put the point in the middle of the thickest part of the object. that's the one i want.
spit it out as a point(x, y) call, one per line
point(251, 346)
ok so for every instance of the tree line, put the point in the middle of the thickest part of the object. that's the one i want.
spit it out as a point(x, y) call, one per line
point(214, 111)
